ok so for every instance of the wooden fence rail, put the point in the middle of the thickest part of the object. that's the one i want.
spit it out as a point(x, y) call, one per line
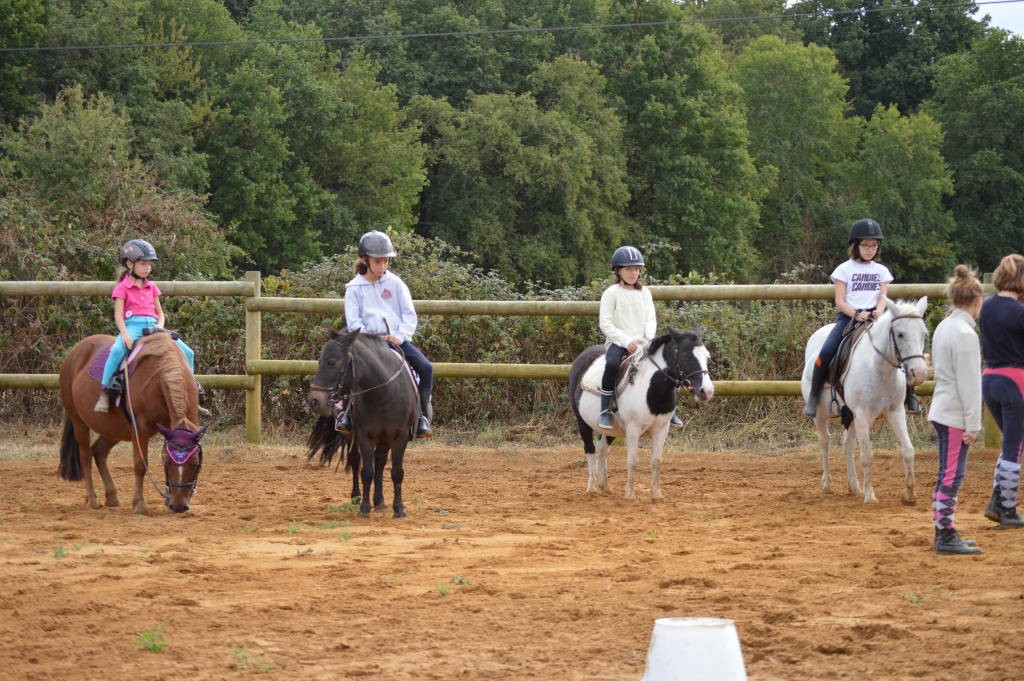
point(249, 288)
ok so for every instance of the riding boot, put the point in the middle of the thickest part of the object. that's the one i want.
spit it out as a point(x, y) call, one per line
point(947, 541)
point(913, 406)
point(1008, 518)
point(203, 411)
point(423, 427)
point(606, 421)
point(676, 421)
point(817, 383)
point(343, 420)
point(103, 403)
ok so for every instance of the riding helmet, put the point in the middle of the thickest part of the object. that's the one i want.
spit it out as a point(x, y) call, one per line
point(376, 244)
point(865, 228)
point(627, 256)
point(137, 249)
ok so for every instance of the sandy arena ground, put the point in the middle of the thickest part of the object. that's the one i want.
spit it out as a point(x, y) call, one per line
point(504, 569)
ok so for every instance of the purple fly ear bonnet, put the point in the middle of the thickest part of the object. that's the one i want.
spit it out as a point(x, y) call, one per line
point(182, 443)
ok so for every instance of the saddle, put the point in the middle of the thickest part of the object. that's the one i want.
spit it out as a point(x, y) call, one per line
point(591, 381)
point(837, 367)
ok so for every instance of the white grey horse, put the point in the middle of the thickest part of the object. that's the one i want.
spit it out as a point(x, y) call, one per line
point(887, 358)
point(646, 401)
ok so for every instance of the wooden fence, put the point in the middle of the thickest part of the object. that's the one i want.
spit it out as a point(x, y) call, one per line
point(249, 289)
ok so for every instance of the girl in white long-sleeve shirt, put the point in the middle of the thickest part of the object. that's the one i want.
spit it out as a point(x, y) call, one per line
point(628, 321)
point(956, 404)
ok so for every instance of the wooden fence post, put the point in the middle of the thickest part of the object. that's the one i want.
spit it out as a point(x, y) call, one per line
point(253, 353)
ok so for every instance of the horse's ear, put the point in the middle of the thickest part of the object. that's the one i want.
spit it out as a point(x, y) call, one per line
point(922, 305)
point(200, 433)
point(330, 334)
point(166, 432)
point(890, 305)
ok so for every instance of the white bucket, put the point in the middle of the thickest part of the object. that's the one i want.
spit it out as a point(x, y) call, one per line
point(694, 649)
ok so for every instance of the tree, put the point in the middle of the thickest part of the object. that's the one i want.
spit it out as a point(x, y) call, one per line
point(693, 187)
point(532, 184)
point(903, 179)
point(802, 142)
point(979, 101)
point(888, 54)
point(21, 25)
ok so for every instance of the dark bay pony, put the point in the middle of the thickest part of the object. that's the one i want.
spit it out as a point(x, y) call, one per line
point(646, 401)
point(384, 404)
point(163, 398)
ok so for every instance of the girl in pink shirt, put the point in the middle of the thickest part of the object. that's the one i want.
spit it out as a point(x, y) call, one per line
point(136, 308)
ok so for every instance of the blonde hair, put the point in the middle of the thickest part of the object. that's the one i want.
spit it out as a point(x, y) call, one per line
point(1009, 275)
point(963, 288)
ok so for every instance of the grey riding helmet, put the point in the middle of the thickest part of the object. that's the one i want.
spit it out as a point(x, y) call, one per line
point(137, 249)
point(376, 244)
point(627, 256)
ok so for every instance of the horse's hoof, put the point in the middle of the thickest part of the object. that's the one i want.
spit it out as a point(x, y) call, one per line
point(113, 501)
point(908, 501)
point(140, 509)
point(399, 514)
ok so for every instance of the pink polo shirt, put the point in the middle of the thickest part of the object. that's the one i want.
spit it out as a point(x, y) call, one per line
point(138, 301)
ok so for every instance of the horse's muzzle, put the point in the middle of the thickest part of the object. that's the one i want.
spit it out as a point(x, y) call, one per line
point(319, 402)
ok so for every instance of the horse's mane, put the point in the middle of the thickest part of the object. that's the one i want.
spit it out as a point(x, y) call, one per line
point(672, 334)
point(165, 361)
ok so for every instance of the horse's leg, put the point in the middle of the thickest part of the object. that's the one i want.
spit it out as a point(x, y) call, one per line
point(141, 462)
point(657, 445)
point(897, 420)
point(85, 459)
point(632, 445)
point(397, 475)
point(366, 474)
point(380, 460)
point(821, 424)
point(100, 449)
point(862, 427)
point(354, 459)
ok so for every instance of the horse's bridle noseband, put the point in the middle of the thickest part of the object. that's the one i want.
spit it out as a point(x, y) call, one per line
point(901, 360)
point(679, 381)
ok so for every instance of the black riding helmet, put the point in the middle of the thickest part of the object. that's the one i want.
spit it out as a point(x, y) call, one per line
point(865, 228)
point(627, 256)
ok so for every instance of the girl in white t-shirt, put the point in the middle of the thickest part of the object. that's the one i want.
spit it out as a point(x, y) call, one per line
point(628, 321)
point(861, 287)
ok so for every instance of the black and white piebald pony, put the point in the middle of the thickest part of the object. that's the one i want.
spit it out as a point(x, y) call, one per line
point(646, 400)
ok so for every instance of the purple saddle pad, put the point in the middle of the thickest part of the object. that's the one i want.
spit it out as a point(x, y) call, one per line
point(100, 360)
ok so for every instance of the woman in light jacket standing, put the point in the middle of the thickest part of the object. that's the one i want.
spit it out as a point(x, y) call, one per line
point(956, 404)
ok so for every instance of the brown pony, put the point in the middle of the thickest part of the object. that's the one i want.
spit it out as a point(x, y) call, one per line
point(161, 390)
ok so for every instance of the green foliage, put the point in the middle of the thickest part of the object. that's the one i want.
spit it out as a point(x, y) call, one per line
point(903, 181)
point(889, 57)
point(802, 142)
point(22, 24)
point(532, 184)
point(690, 178)
point(979, 102)
point(152, 639)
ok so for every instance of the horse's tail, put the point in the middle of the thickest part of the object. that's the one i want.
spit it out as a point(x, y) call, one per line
point(325, 440)
point(70, 467)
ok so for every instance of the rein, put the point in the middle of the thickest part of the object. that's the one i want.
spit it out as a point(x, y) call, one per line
point(176, 455)
point(335, 390)
point(678, 382)
point(901, 360)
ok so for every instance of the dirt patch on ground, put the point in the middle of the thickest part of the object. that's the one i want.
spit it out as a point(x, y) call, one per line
point(504, 569)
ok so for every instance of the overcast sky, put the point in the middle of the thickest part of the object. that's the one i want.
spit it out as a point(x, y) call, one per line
point(1008, 15)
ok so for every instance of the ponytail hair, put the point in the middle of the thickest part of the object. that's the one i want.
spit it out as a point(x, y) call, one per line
point(963, 288)
point(360, 266)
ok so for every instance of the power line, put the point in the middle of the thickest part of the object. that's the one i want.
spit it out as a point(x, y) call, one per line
point(505, 31)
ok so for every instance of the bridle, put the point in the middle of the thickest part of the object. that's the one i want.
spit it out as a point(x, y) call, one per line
point(678, 381)
point(179, 456)
point(901, 359)
point(337, 391)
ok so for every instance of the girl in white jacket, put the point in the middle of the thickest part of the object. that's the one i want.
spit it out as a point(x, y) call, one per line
point(956, 404)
